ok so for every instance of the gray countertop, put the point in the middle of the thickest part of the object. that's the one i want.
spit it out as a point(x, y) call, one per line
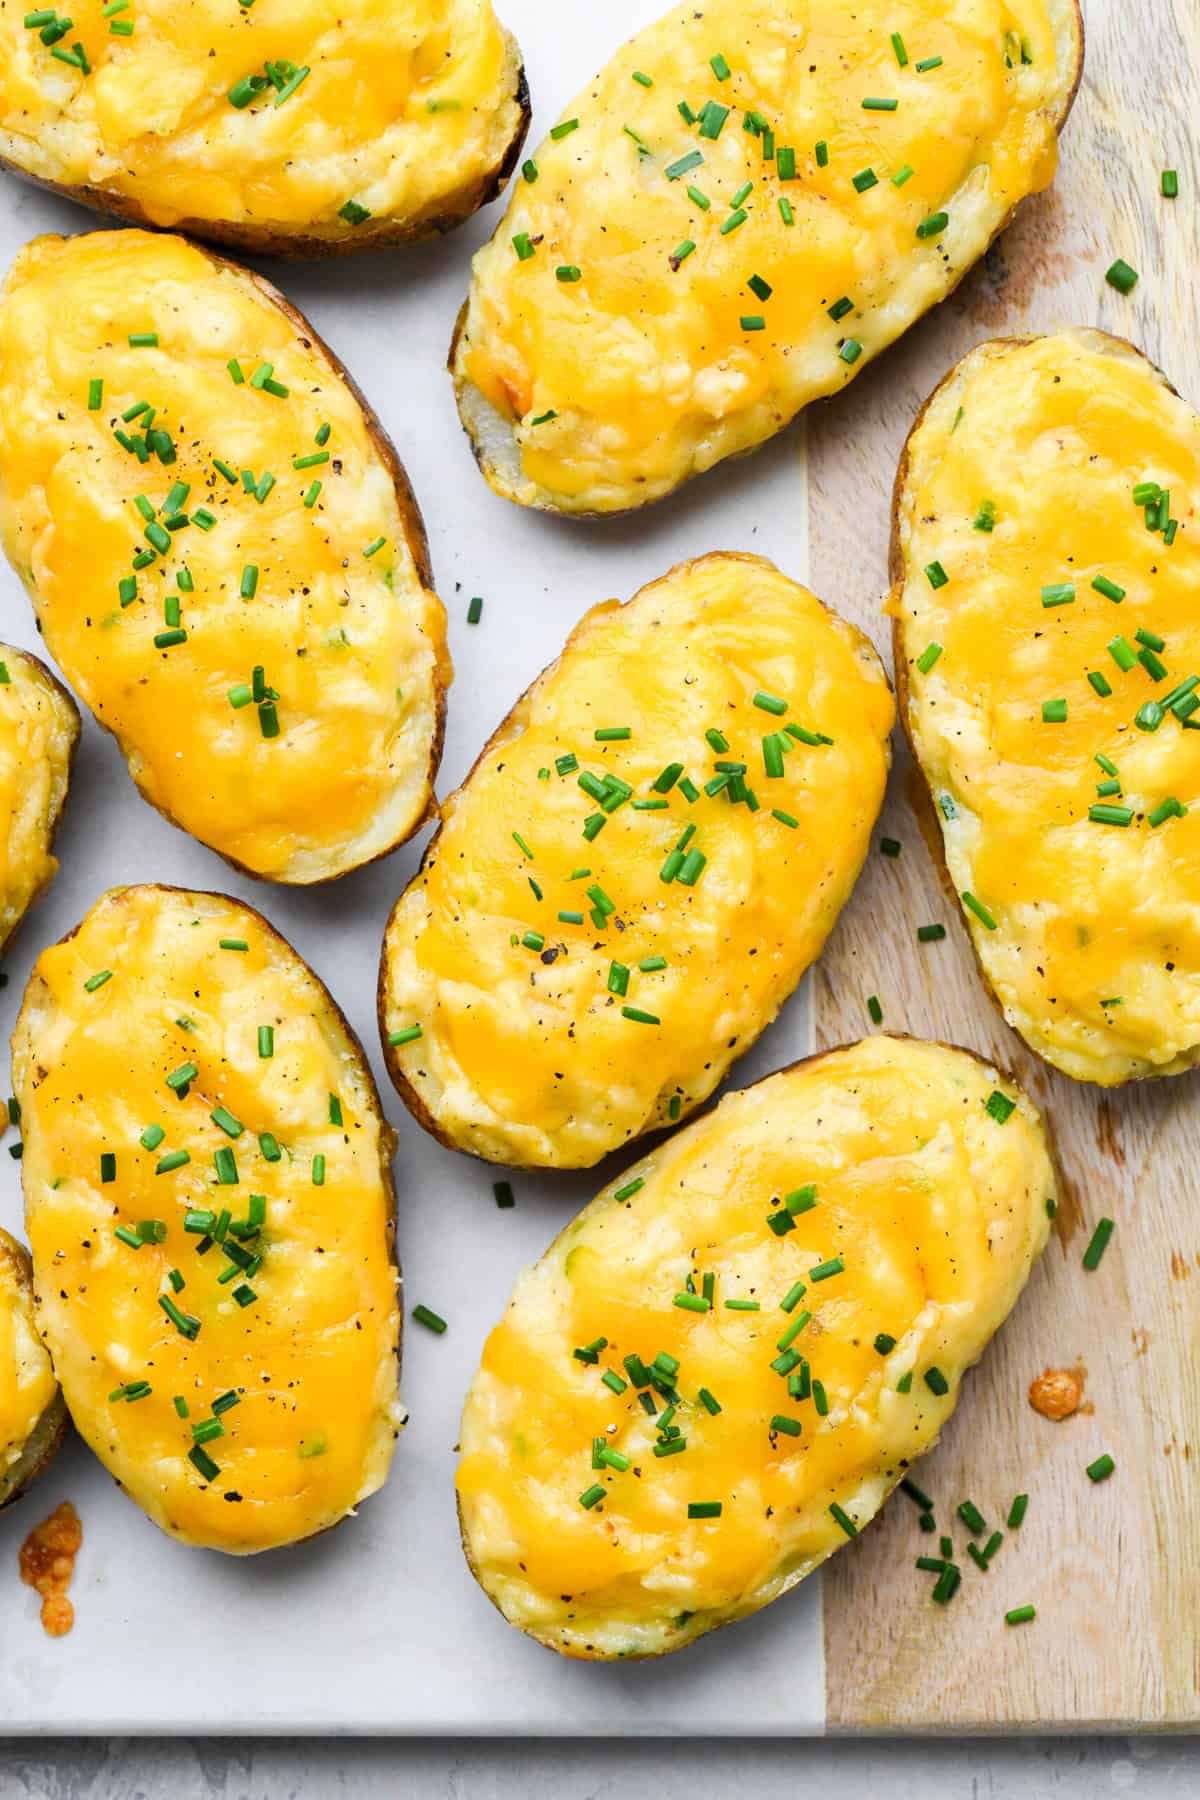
point(218, 1769)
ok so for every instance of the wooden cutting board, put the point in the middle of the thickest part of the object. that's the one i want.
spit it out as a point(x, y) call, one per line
point(1112, 1569)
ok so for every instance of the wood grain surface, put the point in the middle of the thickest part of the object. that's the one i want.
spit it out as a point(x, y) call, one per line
point(1112, 1569)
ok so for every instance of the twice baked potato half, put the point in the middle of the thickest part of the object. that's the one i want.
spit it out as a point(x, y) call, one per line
point(222, 550)
point(288, 131)
point(39, 730)
point(750, 201)
point(648, 854)
point(210, 1207)
point(719, 1371)
point(32, 1415)
point(1047, 647)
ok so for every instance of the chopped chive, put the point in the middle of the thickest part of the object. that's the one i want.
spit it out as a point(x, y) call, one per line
point(928, 657)
point(1121, 276)
point(1020, 1615)
point(930, 62)
point(885, 1344)
point(1016, 1511)
point(934, 225)
point(936, 1382)
point(1169, 184)
point(1098, 1244)
point(903, 174)
point(565, 129)
point(1103, 814)
point(936, 575)
point(864, 180)
point(898, 47)
point(930, 934)
point(431, 1320)
point(999, 1107)
point(979, 909)
point(1101, 1469)
point(844, 1520)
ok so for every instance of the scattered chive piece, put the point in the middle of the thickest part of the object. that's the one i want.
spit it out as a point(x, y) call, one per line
point(591, 1496)
point(885, 1344)
point(833, 1266)
point(999, 1107)
point(902, 175)
point(1016, 1511)
point(864, 180)
point(1108, 588)
point(1054, 712)
point(1098, 1245)
point(1103, 814)
point(1121, 276)
point(901, 52)
point(972, 1518)
point(431, 1320)
point(844, 1520)
point(873, 104)
point(1020, 1615)
point(890, 846)
point(936, 575)
point(95, 395)
point(1170, 184)
point(565, 129)
point(930, 62)
point(1058, 593)
point(934, 225)
point(781, 1423)
point(979, 909)
point(936, 1382)
point(850, 351)
point(1101, 1469)
point(930, 934)
point(821, 153)
point(874, 1009)
point(928, 657)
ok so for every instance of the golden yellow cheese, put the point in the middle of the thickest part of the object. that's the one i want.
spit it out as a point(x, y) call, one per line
point(797, 1282)
point(210, 1210)
point(604, 922)
point(272, 662)
point(39, 729)
point(304, 126)
point(749, 202)
point(1037, 673)
point(30, 1409)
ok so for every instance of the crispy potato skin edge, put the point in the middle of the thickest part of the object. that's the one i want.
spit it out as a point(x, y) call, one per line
point(45, 1440)
point(253, 240)
point(400, 1081)
point(387, 1137)
point(925, 795)
point(576, 1654)
point(55, 819)
point(487, 467)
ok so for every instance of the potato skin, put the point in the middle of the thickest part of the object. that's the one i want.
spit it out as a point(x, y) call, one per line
point(336, 1026)
point(415, 539)
point(493, 436)
point(1122, 349)
point(563, 1634)
point(685, 603)
point(28, 665)
point(294, 244)
point(45, 1440)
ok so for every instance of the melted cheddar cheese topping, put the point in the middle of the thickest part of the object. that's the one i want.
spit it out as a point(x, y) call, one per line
point(673, 287)
point(27, 1384)
point(405, 109)
point(252, 1172)
point(893, 1191)
point(39, 727)
point(257, 635)
point(1057, 726)
point(608, 915)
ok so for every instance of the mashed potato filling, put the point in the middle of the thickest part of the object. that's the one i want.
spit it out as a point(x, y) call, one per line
point(1048, 624)
point(751, 200)
point(209, 1208)
point(221, 551)
point(288, 116)
point(649, 853)
point(717, 1374)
